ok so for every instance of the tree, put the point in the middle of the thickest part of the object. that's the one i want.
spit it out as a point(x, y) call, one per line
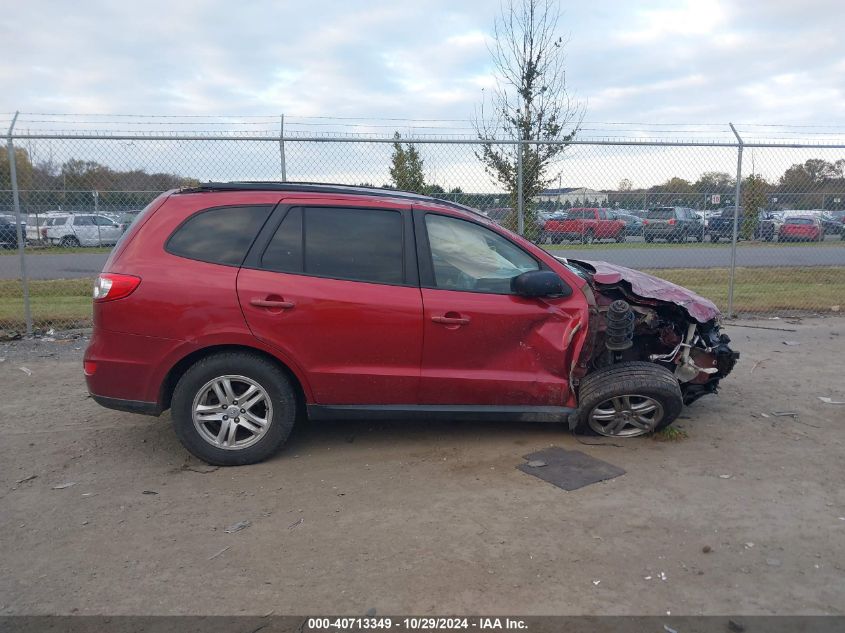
point(406, 167)
point(754, 197)
point(530, 101)
point(625, 185)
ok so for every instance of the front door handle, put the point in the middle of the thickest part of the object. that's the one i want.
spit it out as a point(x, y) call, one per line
point(270, 303)
point(451, 320)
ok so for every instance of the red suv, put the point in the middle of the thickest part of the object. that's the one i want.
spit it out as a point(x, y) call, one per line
point(585, 225)
point(244, 307)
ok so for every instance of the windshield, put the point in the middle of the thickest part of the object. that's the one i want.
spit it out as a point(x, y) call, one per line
point(666, 213)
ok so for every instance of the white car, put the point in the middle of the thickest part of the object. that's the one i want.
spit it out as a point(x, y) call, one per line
point(80, 230)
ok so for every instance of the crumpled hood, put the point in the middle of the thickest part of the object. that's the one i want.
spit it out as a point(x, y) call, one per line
point(651, 287)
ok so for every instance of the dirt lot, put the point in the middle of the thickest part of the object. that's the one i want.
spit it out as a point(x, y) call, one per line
point(431, 518)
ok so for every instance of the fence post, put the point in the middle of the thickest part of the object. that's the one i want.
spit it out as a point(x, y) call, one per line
point(520, 205)
point(13, 177)
point(282, 146)
point(736, 220)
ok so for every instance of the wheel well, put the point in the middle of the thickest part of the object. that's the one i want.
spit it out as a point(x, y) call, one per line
point(178, 370)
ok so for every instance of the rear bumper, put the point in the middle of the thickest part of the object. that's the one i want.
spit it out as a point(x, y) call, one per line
point(130, 406)
point(125, 371)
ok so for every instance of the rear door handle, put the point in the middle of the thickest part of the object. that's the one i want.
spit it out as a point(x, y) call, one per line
point(269, 303)
point(447, 320)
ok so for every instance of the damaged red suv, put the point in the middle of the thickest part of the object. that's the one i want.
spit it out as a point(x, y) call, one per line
point(245, 307)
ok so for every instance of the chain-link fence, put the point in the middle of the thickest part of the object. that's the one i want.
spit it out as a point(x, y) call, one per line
point(757, 227)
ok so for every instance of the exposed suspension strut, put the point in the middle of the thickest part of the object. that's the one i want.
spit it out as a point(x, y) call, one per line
point(620, 326)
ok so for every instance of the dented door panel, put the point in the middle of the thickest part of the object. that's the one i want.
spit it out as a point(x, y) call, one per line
point(508, 351)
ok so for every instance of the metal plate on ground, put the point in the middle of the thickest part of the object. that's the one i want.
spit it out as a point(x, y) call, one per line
point(569, 470)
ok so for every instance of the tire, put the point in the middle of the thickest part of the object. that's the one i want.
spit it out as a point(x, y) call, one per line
point(714, 238)
point(700, 236)
point(621, 237)
point(589, 237)
point(279, 407)
point(634, 386)
point(70, 241)
point(649, 238)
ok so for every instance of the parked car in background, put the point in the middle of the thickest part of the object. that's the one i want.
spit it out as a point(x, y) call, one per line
point(839, 215)
point(721, 226)
point(37, 221)
point(8, 232)
point(80, 230)
point(673, 224)
point(830, 224)
point(584, 225)
point(247, 307)
point(498, 214)
point(633, 224)
point(801, 228)
point(125, 220)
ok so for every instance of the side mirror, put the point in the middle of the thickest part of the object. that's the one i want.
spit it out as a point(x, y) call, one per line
point(540, 283)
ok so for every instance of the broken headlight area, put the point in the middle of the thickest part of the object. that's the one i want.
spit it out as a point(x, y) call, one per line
point(671, 326)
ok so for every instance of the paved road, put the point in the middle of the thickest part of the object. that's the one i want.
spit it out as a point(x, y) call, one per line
point(89, 264)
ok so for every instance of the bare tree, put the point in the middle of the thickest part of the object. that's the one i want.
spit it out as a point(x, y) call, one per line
point(530, 100)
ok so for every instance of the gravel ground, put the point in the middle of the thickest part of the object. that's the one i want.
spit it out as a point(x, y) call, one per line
point(104, 513)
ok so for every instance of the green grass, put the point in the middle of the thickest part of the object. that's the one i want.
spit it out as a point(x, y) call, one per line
point(670, 434)
point(60, 303)
point(66, 303)
point(814, 289)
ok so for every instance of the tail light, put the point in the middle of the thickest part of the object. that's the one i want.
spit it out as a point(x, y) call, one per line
point(110, 286)
point(89, 367)
point(44, 232)
point(645, 222)
point(672, 222)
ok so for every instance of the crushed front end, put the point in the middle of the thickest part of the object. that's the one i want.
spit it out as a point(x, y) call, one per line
point(639, 317)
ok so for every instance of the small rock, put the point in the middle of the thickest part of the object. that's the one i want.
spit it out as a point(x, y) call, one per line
point(736, 627)
point(706, 549)
point(536, 463)
point(237, 527)
point(149, 492)
point(26, 370)
point(67, 484)
point(773, 562)
point(371, 612)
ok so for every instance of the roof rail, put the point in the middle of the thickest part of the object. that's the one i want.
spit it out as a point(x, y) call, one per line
point(318, 187)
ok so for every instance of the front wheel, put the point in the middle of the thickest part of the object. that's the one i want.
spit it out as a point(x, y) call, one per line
point(233, 408)
point(621, 237)
point(628, 399)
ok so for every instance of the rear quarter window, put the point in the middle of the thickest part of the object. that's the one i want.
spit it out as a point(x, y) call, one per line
point(220, 235)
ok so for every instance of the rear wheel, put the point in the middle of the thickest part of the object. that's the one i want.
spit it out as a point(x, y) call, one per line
point(233, 408)
point(714, 238)
point(628, 399)
point(649, 238)
point(70, 241)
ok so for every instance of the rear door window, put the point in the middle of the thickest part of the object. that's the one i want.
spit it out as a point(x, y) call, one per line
point(353, 244)
point(219, 236)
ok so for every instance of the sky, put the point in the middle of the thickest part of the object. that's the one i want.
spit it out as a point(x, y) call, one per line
point(649, 63)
